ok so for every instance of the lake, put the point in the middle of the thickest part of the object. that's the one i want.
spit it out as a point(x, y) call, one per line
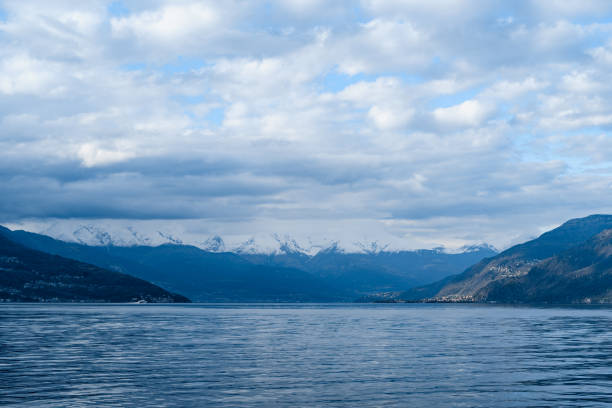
point(304, 355)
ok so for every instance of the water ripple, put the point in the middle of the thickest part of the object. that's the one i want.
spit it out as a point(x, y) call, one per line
point(304, 355)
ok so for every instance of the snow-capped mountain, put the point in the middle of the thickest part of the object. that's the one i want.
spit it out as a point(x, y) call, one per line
point(98, 236)
point(277, 244)
point(477, 247)
point(105, 234)
point(90, 235)
point(471, 248)
point(371, 247)
point(213, 244)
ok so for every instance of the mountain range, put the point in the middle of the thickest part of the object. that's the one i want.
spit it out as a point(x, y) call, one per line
point(569, 264)
point(114, 234)
point(290, 275)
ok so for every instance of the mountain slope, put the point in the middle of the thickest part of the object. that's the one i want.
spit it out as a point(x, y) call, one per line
point(32, 276)
point(582, 274)
point(210, 276)
point(513, 263)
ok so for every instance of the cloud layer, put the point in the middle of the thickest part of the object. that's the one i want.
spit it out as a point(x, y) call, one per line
point(439, 122)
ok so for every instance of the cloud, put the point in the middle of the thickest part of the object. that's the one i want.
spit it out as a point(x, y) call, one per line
point(434, 9)
point(94, 155)
point(383, 45)
point(169, 24)
point(561, 9)
point(470, 113)
point(416, 120)
point(389, 117)
point(510, 90)
point(22, 74)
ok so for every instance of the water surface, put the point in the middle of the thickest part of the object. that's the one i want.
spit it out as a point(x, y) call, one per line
point(304, 355)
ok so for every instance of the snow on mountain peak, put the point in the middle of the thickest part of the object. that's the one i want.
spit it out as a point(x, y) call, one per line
point(213, 244)
point(270, 244)
point(333, 248)
point(142, 240)
point(104, 235)
point(115, 233)
point(477, 247)
point(169, 238)
point(91, 235)
point(288, 245)
point(371, 247)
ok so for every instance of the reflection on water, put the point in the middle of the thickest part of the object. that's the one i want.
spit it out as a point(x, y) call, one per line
point(304, 355)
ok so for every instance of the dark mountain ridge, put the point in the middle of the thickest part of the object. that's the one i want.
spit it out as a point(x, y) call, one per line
point(27, 275)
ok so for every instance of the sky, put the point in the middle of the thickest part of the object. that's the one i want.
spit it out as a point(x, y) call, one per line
point(415, 123)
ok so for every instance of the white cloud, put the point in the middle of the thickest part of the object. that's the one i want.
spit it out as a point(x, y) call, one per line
point(389, 117)
point(20, 73)
point(169, 24)
point(582, 82)
point(470, 113)
point(602, 55)
point(92, 155)
point(509, 90)
point(381, 45)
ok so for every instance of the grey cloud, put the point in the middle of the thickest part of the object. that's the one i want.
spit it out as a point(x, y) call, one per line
point(126, 196)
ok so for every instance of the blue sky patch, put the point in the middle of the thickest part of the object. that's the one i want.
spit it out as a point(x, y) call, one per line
point(118, 9)
point(216, 116)
point(182, 64)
